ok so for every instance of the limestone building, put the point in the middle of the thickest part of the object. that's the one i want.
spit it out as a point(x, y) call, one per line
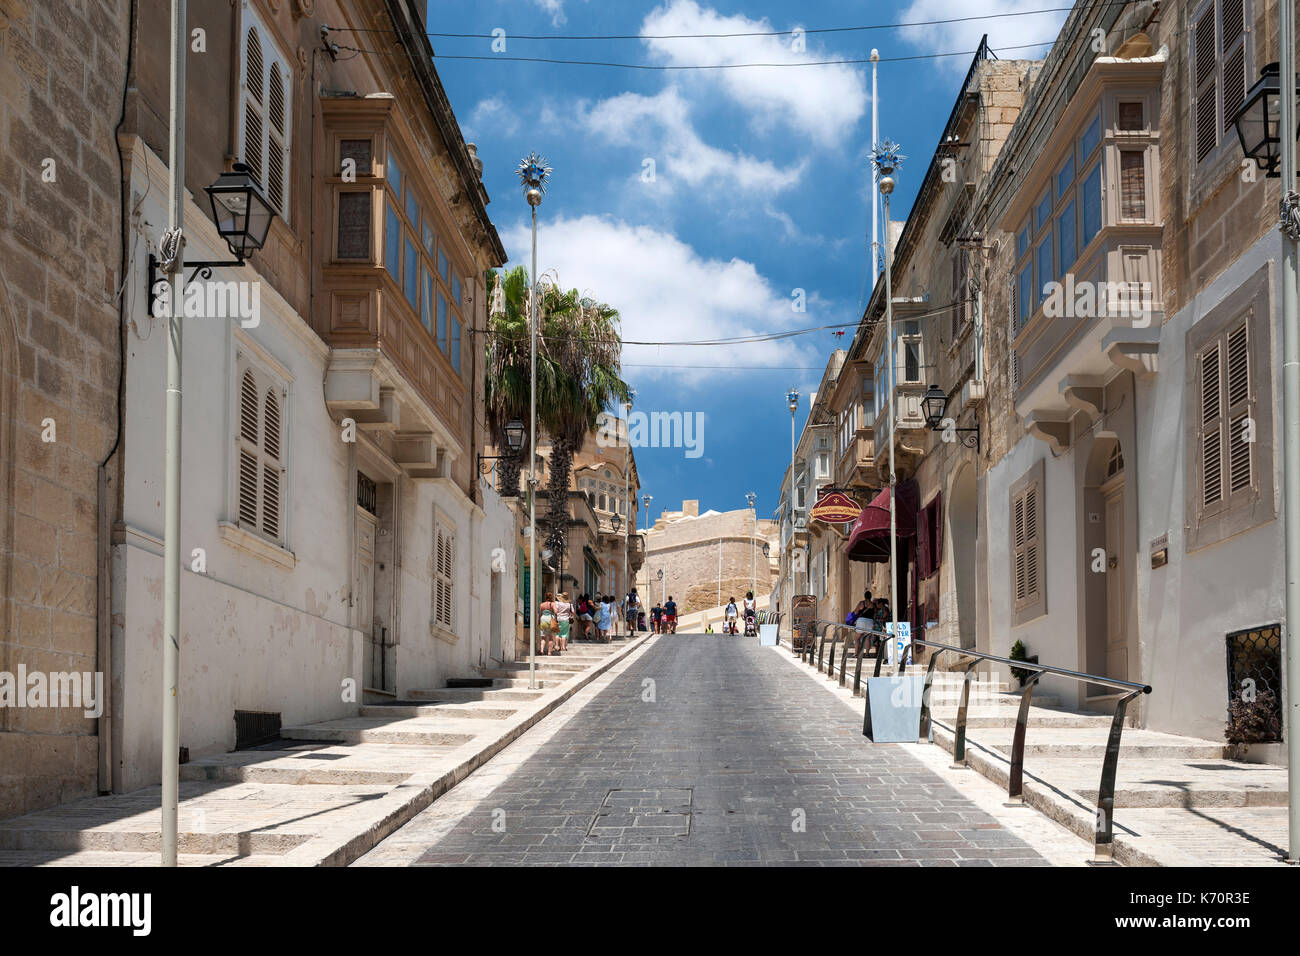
point(62, 272)
point(710, 557)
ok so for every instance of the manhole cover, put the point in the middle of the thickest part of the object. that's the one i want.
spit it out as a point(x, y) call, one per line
point(644, 816)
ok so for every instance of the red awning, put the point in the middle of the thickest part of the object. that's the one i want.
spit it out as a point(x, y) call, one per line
point(869, 538)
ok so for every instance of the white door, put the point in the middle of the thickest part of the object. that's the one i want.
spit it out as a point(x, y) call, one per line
point(363, 618)
point(1116, 639)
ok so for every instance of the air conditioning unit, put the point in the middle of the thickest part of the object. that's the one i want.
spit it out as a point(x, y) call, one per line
point(971, 393)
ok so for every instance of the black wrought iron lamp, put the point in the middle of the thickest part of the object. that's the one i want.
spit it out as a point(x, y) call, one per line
point(1257, 121)
point(243, 218)
point(615, 522)
point(514, 441)
point(935, 405)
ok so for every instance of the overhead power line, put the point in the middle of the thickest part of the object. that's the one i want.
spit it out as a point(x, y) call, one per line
point(669, 67)
point(861, 28)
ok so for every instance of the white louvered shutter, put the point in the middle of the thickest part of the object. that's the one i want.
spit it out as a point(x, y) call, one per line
point(1018, 549)
point(271, 466)
point(248, 450)
point(277, 160)
point(254, 132)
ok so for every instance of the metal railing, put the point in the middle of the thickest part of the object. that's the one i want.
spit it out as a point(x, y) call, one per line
point(1105, 813)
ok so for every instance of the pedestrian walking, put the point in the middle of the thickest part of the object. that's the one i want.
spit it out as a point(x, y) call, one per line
point(547, 623)
point(670, 616)
point(564, 619)
point(606, 617)
point(730, 614)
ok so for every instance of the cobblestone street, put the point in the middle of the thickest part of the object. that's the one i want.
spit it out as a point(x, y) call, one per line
point(705, 750)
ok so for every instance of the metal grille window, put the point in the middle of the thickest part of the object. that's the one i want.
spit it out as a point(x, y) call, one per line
point(265, 108)
point(367, 494)
point(1132, 184)
point(260, 440)
point(1255, 684)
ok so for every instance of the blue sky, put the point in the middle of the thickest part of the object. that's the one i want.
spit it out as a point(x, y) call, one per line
point(697, 202)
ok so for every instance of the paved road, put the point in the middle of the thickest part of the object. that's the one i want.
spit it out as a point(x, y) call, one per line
point(707, 750)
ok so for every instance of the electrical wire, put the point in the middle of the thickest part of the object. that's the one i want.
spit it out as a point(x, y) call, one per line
point(661, 67)
point(725, 36)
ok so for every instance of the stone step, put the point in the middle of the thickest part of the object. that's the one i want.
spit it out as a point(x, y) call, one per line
point(993, 717)
point(544, 679)
point(462, 694)
point(121, 840)
point(466, 711)
point(107, 859)
point(943, 702)
point(1065, 742)
point(558, 668)
point(421, 731)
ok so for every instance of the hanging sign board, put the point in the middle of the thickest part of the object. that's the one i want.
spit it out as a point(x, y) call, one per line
point(835, 507)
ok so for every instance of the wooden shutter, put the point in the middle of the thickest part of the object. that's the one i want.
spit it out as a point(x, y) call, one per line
point(1032, 543)
point(1211, 424)
point(1233, 59)
point(1018, 542)
point(260, 442)
point(936, 539)
point(254, 105)
point(1205, 78)
point(1238, 409)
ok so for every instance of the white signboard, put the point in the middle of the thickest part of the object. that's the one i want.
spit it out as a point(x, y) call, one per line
point(899, 644)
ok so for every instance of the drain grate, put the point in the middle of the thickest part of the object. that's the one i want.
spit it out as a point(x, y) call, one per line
point(644, 816)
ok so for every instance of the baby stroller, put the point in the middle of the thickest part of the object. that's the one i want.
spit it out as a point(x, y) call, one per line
point(751, 624)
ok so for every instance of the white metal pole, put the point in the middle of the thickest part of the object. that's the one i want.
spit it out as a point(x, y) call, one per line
point(893, 489)
point(875, 202)
point(719, 572)
point(532, 466)
point(1290, 443)
point(172, 454)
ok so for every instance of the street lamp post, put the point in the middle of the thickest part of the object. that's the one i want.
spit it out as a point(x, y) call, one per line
point(885, 159)
point(753, 575)
point(533, 174)
point(627, 500)
point(792, 400)
point(1266, 127)
point(662, 586)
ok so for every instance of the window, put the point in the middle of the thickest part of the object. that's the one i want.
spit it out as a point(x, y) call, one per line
point(1091, 205)
point(1218, 71)
point(354, 225)
point(264, 128)
point(1132, 184)
point(260, 470)
point(1132, 117)
point(444, 564)
point(1229, 485)
point(419, 263)
point(1027, 529)
point(961, 312)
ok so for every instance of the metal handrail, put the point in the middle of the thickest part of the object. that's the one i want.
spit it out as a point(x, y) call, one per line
point(1103, 848)
point(878, 639)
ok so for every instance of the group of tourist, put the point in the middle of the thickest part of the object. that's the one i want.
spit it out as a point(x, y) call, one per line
point(593, 618)
point(870, 614)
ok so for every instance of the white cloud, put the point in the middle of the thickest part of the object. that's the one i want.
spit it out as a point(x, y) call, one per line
point(1005, 33)
point(493, 115)
point(554, 7)
point(660, 125)
point(666, 291)
point(823, 102)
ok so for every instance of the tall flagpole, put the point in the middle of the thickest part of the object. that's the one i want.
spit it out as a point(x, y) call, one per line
point(875, 203)
point(885, 160)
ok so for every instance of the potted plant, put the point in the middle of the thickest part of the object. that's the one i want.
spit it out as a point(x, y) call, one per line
point(1019, 653)
point(1253, 718)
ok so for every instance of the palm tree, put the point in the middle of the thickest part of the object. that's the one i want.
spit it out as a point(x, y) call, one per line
point(583, 374)
point(578, 377)
point(506, 393)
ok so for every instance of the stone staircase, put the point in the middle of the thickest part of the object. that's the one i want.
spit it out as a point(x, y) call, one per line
point(256, 807)
point(1176, 797)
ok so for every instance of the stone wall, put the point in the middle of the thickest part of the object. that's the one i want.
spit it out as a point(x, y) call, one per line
point(62, 68)
point(687, 551)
